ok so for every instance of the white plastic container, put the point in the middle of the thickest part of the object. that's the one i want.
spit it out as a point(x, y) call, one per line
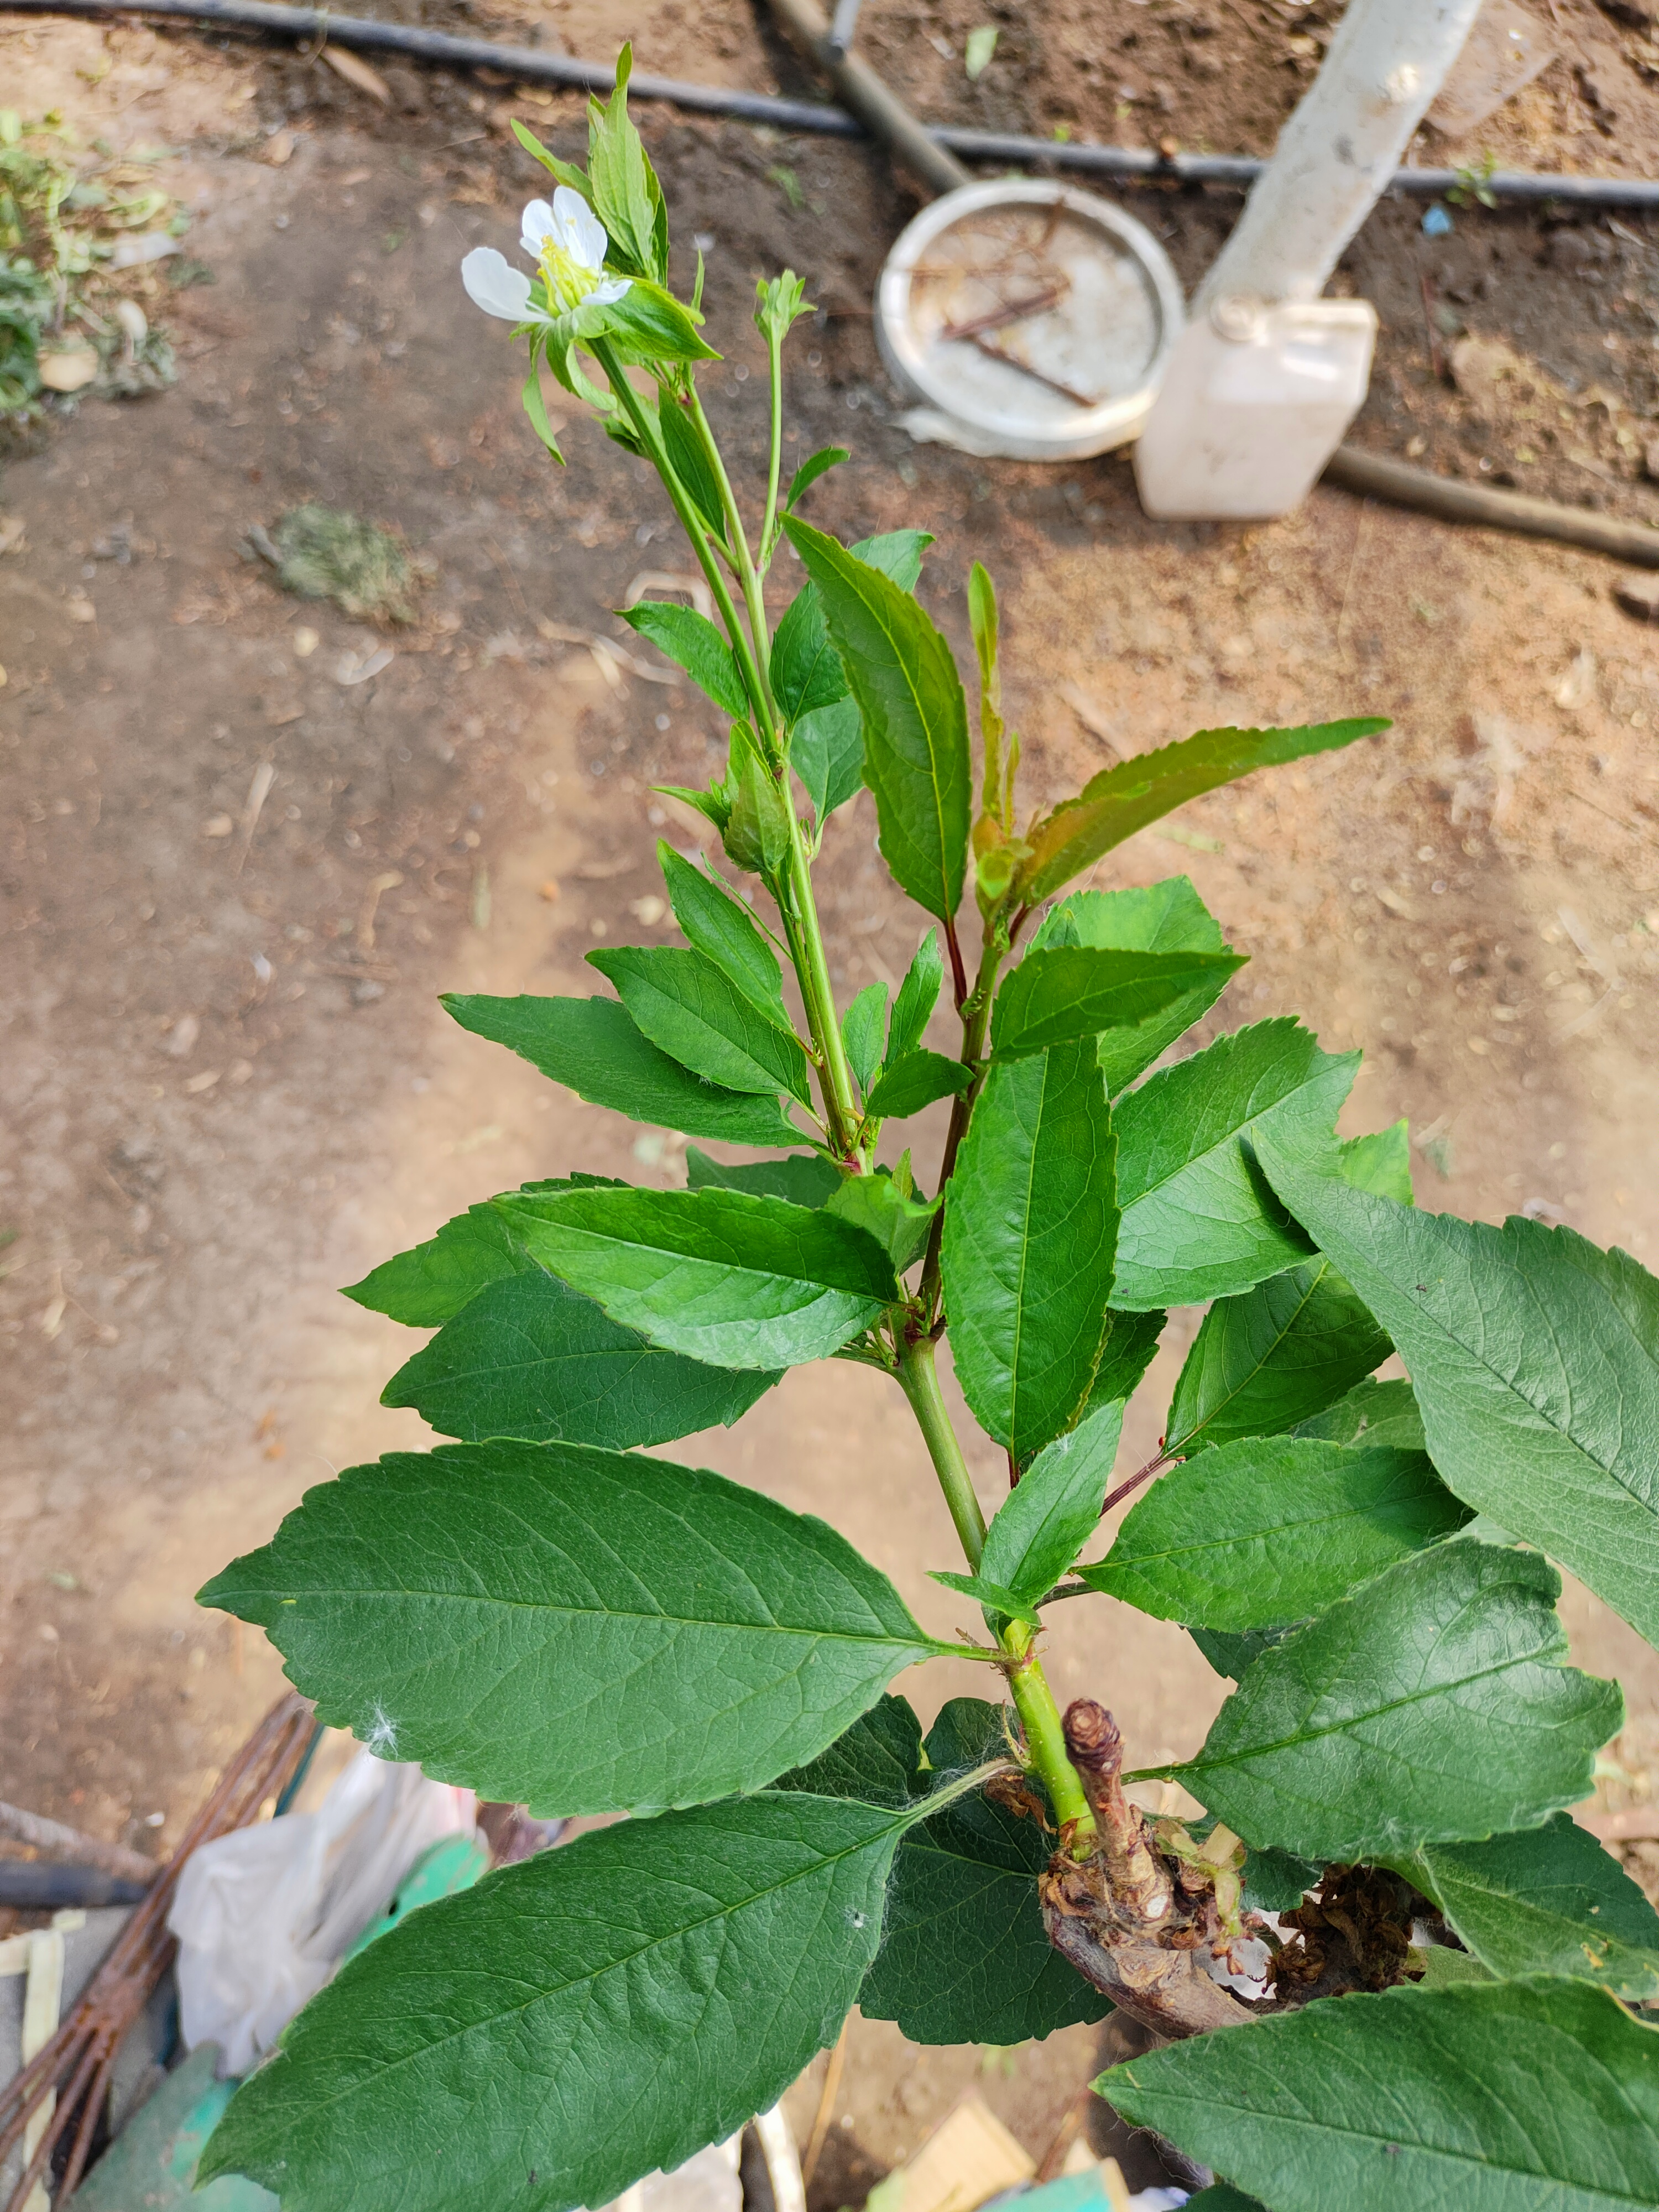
point(1254, 401)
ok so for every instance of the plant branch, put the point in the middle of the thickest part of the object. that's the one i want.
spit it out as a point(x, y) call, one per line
point(918, 1379)
point(1141, 1474)
point(975, 1020)
point(1045, 1737)
point(774, 362)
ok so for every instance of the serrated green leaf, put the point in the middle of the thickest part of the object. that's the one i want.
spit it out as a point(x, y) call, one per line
point(692, 1010)
point(1130, 1341)
point(874, 1203)
point(625, 192)
point(724, 931)
point(918, 995)
point(915, 719)
point(1539, 2096)
point(430, 1283)
point(1372, 1413)
point(757, 831)
point(864, 1030)
point(826, 751)
point(561, 172)
point(1072, 991)
point(1430, 1706)
point(1199, 1220)
point(692, 641)
point(803, 1178)
point(595, 1047)
point(814, 466)
point(1547, 1901)
point(573, 2022)
point(1054, 1509)
point(896, 553)
point(1230, 1654)
point(1163, 917)
point(965, 1958)
point(1534, 1359)
point(996, 792)
point(1030, 1224)
point(577, 1630)
point(1271, 1529)
point(878, 1759)
point(649, 327)
point(1277, 1355)
point(806, 676)
point(690, 463)
point(992, 1597)
point(721, 1275)
point(1125, 798)
point(913, 1081)
point(529, 1356)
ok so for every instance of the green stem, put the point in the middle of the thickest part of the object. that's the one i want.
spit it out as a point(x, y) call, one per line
point(690, 522)
point(774, 363)
point(918, 1379)
point(743, 562)
point(976, 1021)
point(812, 969)
point(1034, 1701)
point(1045, 1735)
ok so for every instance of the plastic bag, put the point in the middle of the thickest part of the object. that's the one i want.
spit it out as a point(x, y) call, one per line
point(264, 1915)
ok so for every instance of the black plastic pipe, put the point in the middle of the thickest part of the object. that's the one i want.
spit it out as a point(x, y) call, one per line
point(36, 1886)
point(532, 65)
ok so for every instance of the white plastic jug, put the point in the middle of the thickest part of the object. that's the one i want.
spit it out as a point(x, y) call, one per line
point(1254, 401)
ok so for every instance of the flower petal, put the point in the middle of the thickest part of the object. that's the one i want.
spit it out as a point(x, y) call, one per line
point(581, 233)
point(607, 294)
point(539, 222)
point(494, 285)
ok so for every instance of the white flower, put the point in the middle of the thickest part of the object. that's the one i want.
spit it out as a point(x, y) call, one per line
point(494, 285)
point(568, 241)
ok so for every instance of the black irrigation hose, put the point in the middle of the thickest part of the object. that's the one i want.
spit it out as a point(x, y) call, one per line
point(531, 65)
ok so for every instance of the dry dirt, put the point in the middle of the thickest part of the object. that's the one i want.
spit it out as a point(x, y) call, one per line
point(227, 1084)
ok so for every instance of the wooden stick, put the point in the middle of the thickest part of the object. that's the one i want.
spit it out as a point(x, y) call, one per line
point(826, 2110)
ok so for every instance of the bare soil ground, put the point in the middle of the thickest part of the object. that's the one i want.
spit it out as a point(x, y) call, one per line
point(227, 1086)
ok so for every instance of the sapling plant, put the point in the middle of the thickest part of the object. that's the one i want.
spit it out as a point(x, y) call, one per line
point(1384, 1968)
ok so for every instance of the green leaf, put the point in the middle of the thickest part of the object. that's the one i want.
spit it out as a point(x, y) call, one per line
point(1277, 1355)
point(1076, 991)
point(756, 832)
point(1540, 2096)
point(1163, 917)
point(529, 1356)
point(874, 1203)
point(896, 554)
point(1125, 798)
point(692, 1010)
point(431, 1284)
point(1373, 1413)
point(864, 1030)
point(826, 751)
point(561, 172)
point(1230, 1654)
point(535, 406)
point(1535, 1358)
point(649, 327)
point(915, 719)
point(806, 676)
point(1547, 1901)
point(690, 463)
point(1130, 1341)
point(724, 931)
point(1054, 1508)
point(1268, 1530)
point(803, 1178)
point(913, 1081)
point(876, 1760)
point(1029, 1228)
point(814, 466)
point(587, 2017)
point(692, 641)
point(722, 1276)
point(1198, 1219)
point(625, 192)
point(996, 796)
point(918, 995)
point(1222, 2196)
point(992, 1597)
point(578, 1629)
point(595, 1047)
point(965, 1958)
point(1431, 1706)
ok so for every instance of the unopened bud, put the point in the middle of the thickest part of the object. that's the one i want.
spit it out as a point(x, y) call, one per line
point(1092, 1738)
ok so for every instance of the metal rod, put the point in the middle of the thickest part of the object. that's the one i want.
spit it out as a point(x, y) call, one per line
point(531, 65)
